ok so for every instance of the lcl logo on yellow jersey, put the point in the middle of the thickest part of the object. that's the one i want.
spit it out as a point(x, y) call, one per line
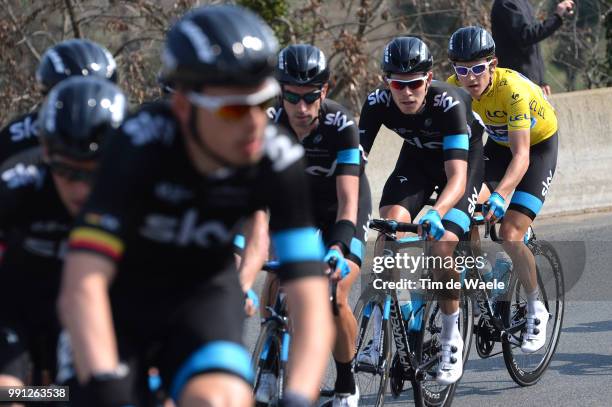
point(519, 117)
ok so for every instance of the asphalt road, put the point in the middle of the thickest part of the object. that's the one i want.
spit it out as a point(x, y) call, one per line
point(581, 370)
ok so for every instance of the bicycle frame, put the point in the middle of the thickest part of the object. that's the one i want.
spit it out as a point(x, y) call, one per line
point(391, 313)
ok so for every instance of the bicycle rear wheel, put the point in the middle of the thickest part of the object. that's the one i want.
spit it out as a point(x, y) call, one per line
point(428, 346)
point(372, 376)
point(527, 368)
point(267, 360)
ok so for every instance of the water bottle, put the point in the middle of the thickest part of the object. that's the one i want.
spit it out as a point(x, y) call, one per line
point(417, 307)
point(406, 310)
point(487, 271)
point(501, 273)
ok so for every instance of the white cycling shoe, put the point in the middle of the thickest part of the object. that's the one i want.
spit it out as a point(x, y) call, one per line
point(368, 355)
point(450, 367)
point(346, 400)
point(534, 336)
point(266, 388)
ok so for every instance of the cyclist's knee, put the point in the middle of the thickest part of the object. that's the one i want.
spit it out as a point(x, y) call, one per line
point(216, 390)
point(443, 247)
point(396, 212)
point(344, 288)
point(512, 232)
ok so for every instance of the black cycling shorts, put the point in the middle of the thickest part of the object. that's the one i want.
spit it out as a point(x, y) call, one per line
point(530, 193)
point(325, 218)
point(414, 179)
point(195, 331)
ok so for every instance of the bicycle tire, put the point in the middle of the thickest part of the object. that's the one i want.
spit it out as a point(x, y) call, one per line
point(364, 325)
point(443, 395)
point(269, 337)
point(510, 311)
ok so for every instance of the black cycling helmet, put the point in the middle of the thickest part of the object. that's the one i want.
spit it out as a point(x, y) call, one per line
point(220, 45)
point(75, 57)
point(470, 44)
point(78, 113)
point(406, 55)
point(301, 65)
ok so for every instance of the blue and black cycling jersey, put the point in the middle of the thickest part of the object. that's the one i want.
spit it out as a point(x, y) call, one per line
point(19, 135)
point(152, 213)
point(35, 225)
point(332, 149)
point(445, 129)
point(442, 131)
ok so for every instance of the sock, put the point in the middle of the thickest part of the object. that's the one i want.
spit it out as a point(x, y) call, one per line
point(532, 298)
point(345, 381)
point(450, 327)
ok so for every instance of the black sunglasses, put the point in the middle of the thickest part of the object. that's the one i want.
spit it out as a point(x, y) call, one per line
point(309, 98)
point(71, 173)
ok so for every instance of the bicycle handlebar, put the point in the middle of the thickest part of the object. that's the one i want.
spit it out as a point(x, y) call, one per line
point(392, 226)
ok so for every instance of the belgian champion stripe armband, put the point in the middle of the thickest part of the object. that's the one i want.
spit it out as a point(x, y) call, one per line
point(95, 240)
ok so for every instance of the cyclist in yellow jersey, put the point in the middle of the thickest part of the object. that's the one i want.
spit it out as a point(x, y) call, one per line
point(520, 156)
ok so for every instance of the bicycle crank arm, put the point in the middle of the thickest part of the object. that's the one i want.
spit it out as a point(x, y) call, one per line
point(511, 338)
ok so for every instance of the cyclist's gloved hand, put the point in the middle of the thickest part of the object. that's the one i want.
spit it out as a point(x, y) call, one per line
point(496, 205)
point(436, 229)
point(341, 263)
point(110, 389)
point(250, 307)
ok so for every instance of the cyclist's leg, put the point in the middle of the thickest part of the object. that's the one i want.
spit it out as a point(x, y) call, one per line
point(405, 193)
point(457, 225)
point(202, 360)
point(269, 292)
point(524, 206)
point(345, 322)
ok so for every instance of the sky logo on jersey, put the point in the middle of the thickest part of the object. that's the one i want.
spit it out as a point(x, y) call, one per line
point(274, 114)
point(185, 231)
point(547, 182)
point(497, 133)
point(24, 129)
point(318, 170)
point(415, 141)
point(378, 96)
point(447, 102)
point(338, 119)
point(21, 175)
point(280, 149)
point(145, 128)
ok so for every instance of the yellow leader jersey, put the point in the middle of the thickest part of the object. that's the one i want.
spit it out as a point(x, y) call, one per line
point(513, 102)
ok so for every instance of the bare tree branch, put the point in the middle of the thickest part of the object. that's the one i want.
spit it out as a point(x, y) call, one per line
point(18, 28)
point(127, 43)
point(75, 26)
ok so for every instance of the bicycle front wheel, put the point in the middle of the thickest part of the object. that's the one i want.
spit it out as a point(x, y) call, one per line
point(428, 345)
point(373, 345)
point(267, 363)
point(527, 368)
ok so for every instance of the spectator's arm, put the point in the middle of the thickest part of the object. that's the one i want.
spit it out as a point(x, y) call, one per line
point(519, 26)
